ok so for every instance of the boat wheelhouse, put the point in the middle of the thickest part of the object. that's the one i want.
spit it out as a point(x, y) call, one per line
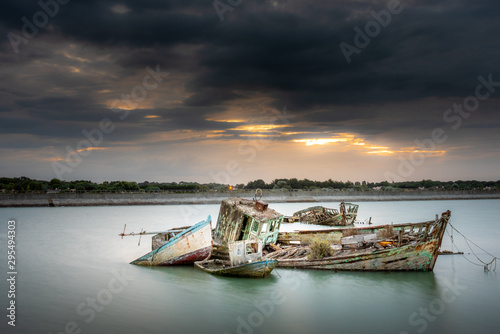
point(243, 219)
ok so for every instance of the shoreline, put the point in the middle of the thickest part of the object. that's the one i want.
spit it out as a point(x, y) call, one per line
point(300, 196)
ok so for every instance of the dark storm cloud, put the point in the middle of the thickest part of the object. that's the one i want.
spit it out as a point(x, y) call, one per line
point(290, 53)
point(418, 54)
point(56, 118)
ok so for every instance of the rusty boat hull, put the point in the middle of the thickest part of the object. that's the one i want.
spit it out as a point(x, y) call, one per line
point(413, 247)
point(191, 245)
point(258, 269)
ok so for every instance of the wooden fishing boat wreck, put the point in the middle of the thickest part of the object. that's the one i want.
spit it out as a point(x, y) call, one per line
point(258, 269)
point(245, 261)
point(319, 215)
point(178, 246)
point(398, 247)
point(243, 219)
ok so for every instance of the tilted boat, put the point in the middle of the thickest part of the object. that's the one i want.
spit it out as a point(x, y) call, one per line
point(179, 246)
point(319, 215)
point(398, 247)
point(243, 219)
point(245, 261)
point(258, 269)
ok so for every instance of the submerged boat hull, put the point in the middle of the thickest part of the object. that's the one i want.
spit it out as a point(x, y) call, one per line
point(258, 269)
point(418, 255)
point(194, 244)
point(407, 258)
point(319, 215)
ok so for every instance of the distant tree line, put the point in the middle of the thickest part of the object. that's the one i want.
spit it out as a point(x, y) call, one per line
point(26, 185)
point(364, 185)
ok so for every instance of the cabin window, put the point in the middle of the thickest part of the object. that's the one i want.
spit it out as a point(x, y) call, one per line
point(244, 227)
point(252, 248)
point(263, 229)
point(255, 227)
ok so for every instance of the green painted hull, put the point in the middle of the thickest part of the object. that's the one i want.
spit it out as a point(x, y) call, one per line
point(259, 269)
point(407, 258)
point(418, 255)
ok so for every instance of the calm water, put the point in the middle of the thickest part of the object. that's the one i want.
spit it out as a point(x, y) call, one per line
point(74, 277)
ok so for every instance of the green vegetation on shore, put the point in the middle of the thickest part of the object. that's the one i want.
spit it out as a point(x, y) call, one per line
point(26, 185)
point(367, 186)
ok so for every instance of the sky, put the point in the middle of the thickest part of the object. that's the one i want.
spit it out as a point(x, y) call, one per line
point(231, 91)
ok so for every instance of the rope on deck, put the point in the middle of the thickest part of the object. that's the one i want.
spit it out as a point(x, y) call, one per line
point(486, 265)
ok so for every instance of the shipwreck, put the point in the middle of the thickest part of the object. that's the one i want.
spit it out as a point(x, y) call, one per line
point(243, 219)
point(395, 247)
point(319, 215)
point(183, 245)
point(245, 261)
point(247, 242)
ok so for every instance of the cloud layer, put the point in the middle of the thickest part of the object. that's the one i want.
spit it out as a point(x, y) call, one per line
point(84, 61)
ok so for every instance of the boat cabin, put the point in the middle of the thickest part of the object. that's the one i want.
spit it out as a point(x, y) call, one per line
point(245, 251)
point(242, 219)
point(161, 239)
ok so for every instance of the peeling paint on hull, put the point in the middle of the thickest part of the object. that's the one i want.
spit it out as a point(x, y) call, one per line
point(194, 244)
point(189, 258)
point(420, 255)
point(399, 259)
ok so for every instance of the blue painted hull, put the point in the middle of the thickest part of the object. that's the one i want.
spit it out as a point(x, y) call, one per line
point(192, 244)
